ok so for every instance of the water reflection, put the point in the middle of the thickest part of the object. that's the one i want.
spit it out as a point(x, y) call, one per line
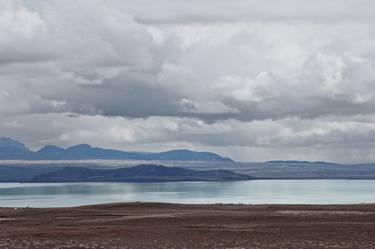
point(255, 192)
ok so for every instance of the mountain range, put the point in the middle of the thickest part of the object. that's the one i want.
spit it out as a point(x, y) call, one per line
point(11, 149)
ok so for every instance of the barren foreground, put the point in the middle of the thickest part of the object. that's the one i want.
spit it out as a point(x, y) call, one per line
point(138, 225)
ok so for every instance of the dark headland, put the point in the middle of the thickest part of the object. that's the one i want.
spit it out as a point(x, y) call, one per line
point(140, 173)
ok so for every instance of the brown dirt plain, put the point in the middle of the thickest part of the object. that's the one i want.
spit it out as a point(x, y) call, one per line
point(156, 225)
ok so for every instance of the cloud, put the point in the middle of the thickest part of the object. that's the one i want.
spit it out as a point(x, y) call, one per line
point(238, 76)
point(219, 11)
point(23, 34)
point(246, 71)
point(341, 140)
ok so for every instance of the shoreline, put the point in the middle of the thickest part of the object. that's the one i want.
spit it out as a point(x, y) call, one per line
point(163, 225)
point(233, 204)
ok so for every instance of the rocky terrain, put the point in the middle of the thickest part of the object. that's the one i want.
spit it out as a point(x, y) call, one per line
point(138, 225)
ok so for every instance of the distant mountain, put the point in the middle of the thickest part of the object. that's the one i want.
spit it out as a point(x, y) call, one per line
point(50, 151)
point(141, 173)
point(12, 149)
point(85, 151)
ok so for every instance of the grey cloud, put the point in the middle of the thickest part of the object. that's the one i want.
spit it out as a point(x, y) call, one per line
point(242, 76)
point(219, 11)
point(110, 66)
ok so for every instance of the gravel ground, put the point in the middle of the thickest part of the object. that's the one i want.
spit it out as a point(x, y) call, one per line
point(153, 225)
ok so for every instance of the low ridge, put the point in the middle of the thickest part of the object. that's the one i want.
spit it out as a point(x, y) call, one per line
point(141, 173)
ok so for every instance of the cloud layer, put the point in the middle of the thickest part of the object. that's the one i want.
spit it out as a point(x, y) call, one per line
point(255, 80)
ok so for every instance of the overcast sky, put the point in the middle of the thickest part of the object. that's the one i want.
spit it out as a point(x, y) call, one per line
point(254, 80)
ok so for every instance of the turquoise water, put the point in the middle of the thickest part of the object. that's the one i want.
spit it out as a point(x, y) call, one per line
point(254, 192)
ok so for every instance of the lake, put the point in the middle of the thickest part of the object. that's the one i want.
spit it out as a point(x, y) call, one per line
point(248, 192)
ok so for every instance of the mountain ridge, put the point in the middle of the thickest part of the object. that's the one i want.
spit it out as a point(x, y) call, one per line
point(13, 149)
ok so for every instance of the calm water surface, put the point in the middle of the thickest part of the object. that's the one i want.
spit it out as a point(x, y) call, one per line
point(255, 192)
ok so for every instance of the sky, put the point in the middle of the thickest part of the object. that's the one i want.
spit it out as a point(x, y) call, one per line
point(254, 80)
